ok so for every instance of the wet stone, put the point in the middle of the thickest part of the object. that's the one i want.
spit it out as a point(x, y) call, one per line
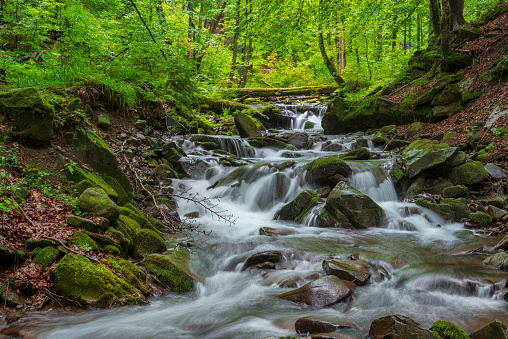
point(398, 327)
point(355, 271)
point(273, 257)
point(317, 324)
point(270, 232)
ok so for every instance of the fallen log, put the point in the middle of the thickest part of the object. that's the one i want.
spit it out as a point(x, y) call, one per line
point(280, 92)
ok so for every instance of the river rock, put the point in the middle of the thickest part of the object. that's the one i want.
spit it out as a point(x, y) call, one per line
point(495, 212)
point(246, 126)
point(503, 244)
point(270, 232)
point(424, 154)
point(320, 324)
point(357, 154)
point(299, 207)
point(469, 174)
point(273, 257)
point(320, 170)
point(493, 330)
point(454, 191)
point(270, 143)
point(355, 271)
point(47, 256)
point(359, 209)
point(299, 140)
point(498, 260)
point(458, 159)
point(29, 113)
point(331, 147)
point(398, 327)
point(96, 202)
point(332, 335)
point(12, 299)
point(321, 292)
point(83, 223)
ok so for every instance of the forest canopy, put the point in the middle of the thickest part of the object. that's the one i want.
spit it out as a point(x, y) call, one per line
point(174, 45)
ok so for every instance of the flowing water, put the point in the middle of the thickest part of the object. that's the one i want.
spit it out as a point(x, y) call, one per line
point(421, 268)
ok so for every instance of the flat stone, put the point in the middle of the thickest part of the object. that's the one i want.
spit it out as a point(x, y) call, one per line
point(495, 172)
point(351, 270)
point(78, 222)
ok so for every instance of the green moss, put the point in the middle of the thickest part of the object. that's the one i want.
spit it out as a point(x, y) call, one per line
point(147, 242)
point(125, 242)
point(324, 162)
point(84, 242)
point(123, 197)
point(137, 217)
point(270, 143)
point(130, 272)
point(86, 180)
point(128, 227)
point(171, 270)
point(299, 207)
point(46, 256)
point(79, 279)
point(481, 218)
point(357, 154)
point(459, 209)
point(464, 234)
point(113, 250)
point(448, 330)
point(422, 202)
point(397, 174)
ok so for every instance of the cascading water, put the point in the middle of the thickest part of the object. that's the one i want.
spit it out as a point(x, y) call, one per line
point(420, 267)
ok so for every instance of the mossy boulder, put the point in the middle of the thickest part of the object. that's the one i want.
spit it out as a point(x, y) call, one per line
point(173, 270)
point(424, 154)
point(493, 330)
point(246, 126)
point(469, 174)
point(147, 242)
point(498, 260)
point(320, 171)
point(93, 284)
point(359, 209)
point(46, 256)
point(29, 113)
point(271, 117)
point(270, 143)
point(380, 139)
point(481, 218)
point(299, 207)
point(78, 222)
point(96, 202)
point(123, 197)
point(138, 217)
point(130, 272)
point(458, 206)
point(448, 330)
point(83, 241)
point(89, 147)
point(455, 191)
point(357, 154)
point(84, 180)
point(103, 121)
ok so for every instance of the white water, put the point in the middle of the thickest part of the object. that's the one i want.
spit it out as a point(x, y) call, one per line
point(422, 279)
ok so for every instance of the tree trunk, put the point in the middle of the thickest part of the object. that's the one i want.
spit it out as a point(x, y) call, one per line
point(280, 92)
point(435, 20)
point(457, 13)
point(235, 43)
point(329, 64)
point(446, 29)
point(418, 31)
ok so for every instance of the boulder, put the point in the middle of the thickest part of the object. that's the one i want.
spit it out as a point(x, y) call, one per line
point(246, 126)
point(449, 138)
point(455, 191)
point(469, 174)
point(271, 117)
point(498, 260)
point(424, 154)
point(321, 292)
point(83, 241)
point(299, 207)
point(173, 269)
point(467, 32)
point(147, 242)
point(29, 113)
point(19, 192)
point(96, 202)
point(495, 172)
point(496, 212)
point(270, 143)
point(398, 327)
point(299, 140)
point(94, 284)
point(493, 330)
point(86, 224)
point(359, 209)
point(47, 256)
point(321, 324)
point(274, 257)
point(481, 218)
point(89, 147)
point(380, 139)
point(355, 271)
point(320, 170)
point(357, 154)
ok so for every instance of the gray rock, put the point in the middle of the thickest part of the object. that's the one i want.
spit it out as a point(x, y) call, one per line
point(496, 212)
point(398, 327)
point(321, 324)
point(321, 292)
point(498, 260)
point(299, 140)
point(355, 271)
point(103, 121)
point(83, 223)
point(140, 125)
point(320, 170)
point(495, 172)
point(19, 192)
point(493, 330)
point(422, 155)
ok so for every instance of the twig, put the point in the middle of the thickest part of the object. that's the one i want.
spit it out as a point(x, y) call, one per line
point(202, 203)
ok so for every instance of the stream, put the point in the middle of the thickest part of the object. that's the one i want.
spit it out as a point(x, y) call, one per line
point(421, 267)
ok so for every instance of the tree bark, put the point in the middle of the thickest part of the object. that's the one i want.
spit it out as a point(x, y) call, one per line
point(281, 92)
point(457, 13)
point(435, 20)
point(235, 43)
point(446, 29)
point(329, 64)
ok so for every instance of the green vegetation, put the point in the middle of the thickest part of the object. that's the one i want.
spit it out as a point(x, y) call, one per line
point(448, 330)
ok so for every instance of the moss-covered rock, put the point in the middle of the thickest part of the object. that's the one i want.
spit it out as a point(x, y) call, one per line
point(83, 223)
point(83, 241)
point(493, 330)
point(113, 250)
point(424, 154)
point(123, 197)
point(130, 272)
point(455, 191)
point(147, 242)
point(357, 154)
point(271, 117)
point(448, 330)
point(469, 174)
point(124, 241)
point(89, 147)
point(138, 217)
point(46, 256)
point(299, 207)
point(246, 126)
point(79, 279)
point(359, 209)
point(270, 143)
point(173, 270)
point(459, 208)
point(380, 139)
point(30, 113)
point(320, 171)
point(481, 218)
point(498, 260)
point(96, 202)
